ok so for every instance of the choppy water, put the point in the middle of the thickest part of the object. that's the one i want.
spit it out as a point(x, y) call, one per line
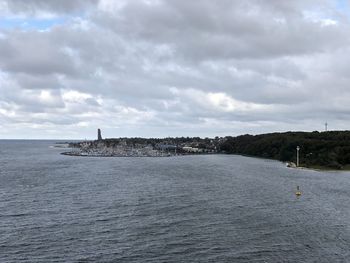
point(217, 208)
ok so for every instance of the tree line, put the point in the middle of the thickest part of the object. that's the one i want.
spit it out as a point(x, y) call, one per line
point(317, 149)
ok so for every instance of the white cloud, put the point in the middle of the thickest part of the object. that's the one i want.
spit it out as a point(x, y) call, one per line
point(217, 101)
point(162, 68)
point(75, 96)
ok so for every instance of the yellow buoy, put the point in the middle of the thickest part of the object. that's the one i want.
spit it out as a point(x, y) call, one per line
point(298, 192)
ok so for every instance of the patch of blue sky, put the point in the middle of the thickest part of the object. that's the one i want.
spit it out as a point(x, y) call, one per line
point(31, 23)
point(342, 5)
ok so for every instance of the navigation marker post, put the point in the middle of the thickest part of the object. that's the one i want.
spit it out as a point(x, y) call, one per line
point(298, 148)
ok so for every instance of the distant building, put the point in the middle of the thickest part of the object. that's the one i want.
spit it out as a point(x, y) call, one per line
point(165, 147)
point(191, 149)
point(99, 136)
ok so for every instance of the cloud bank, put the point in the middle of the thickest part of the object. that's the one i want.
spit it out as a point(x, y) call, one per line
point(172, 68)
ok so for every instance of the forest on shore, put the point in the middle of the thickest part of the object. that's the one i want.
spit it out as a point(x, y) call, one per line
point(317, 149)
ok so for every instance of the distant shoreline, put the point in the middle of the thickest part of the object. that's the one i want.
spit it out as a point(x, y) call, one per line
point(326, 151)
point(102, 156)
point(161, 156)
point(141, 147)
point(322, 169)
point(317, 168)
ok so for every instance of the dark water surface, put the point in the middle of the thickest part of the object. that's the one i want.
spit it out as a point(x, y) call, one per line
point(217, 208)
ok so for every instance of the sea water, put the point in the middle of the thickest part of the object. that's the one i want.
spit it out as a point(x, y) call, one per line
point(201, 208)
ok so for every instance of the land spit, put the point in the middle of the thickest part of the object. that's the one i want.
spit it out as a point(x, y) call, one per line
point(138, 147)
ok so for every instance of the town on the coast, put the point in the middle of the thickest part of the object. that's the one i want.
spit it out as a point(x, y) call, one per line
point(144, 147)
point(327, 149)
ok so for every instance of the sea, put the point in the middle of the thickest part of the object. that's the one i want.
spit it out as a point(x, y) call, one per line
point(200, 208)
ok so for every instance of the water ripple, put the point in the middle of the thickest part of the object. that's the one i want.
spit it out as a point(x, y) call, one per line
point(220, 208)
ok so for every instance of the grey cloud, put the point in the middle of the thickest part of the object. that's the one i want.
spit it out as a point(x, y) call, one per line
point(92, 102)
point(208, 30)
point(34, 81)
point(52, 6)
point(29, 101)
point(124, 65)
point(34, 53)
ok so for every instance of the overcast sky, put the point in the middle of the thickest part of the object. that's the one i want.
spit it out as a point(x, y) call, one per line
point(158, 68)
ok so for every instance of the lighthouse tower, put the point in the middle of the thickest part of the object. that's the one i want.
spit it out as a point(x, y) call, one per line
point(99, 136)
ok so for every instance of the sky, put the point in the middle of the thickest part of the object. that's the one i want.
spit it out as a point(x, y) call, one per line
point(160, 68)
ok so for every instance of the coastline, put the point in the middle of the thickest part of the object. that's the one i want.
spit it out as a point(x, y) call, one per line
point(315, 168)
point(320, 168)
point(323, 169)
point(105, 155)
point(142, 147)
point(77, 154)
